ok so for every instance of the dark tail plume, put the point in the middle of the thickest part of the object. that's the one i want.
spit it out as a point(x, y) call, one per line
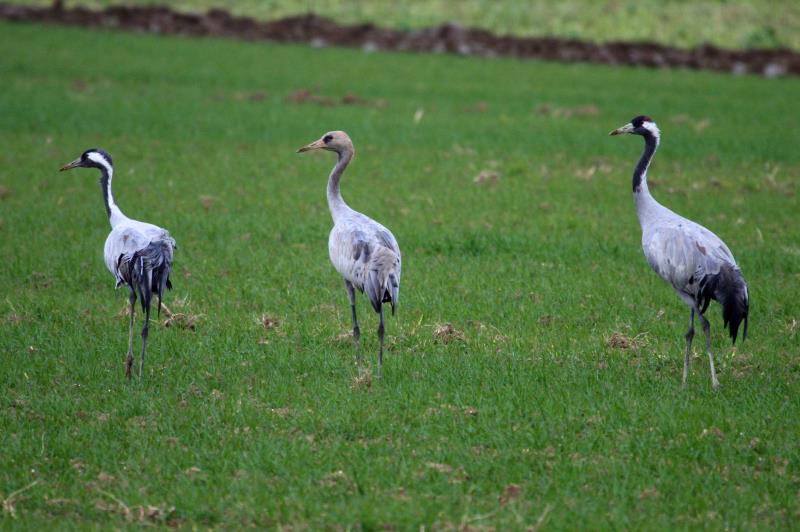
point(380, 292)
point(729, 288)
point(392, 291)
point(148, 271)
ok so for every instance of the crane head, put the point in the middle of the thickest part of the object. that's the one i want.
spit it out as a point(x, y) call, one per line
point(337, 141)
point(640, 125)
point(93, 158)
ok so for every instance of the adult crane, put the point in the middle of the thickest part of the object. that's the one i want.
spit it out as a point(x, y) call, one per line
point(692, 259)
point(138, 254)
point(363, 251)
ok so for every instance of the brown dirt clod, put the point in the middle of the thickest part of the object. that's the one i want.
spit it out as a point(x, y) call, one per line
point(446, 333)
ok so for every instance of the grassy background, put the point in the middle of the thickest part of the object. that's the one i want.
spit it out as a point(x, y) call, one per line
point(531, 418)
point(727, 23)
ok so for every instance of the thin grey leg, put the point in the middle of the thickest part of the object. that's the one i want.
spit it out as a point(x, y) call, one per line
point(351, 293)
point(380, 340)
point(689, 337)
point(129, 360)
point(144, 339)
point(707, 330)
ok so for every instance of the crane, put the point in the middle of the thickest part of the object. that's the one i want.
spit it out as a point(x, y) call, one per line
point(364, 252)
point(692, 259)
point(138, 254)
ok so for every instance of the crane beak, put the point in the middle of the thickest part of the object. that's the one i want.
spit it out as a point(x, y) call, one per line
point(316, 145)
point(627, 128)
point(74, 164)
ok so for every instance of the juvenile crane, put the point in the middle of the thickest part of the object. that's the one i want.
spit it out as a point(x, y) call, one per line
point(363, 251)
point(692, 259)
point(138, 254)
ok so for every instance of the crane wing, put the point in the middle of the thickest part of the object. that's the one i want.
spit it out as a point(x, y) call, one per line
point(387, 240)
point(361, 250)
point(685, 254)
point(367, 255)
point(123, 241)
point(383, 276)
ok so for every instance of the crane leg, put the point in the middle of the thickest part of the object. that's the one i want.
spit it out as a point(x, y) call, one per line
point(144, 339)
point(351, 294)
point(707, 330)
point(129, 360)
point(689, 337)
point(380, 340)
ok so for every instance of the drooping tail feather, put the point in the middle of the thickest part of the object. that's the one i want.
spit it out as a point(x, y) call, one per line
point(382, 290)
point(147, 270)
point(730, 290)
point(373, 289)
point(382, 284)
point(393, 291)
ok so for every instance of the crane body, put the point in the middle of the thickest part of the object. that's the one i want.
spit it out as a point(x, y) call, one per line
point(138, 254)
point(693, 260)
point(364, 252)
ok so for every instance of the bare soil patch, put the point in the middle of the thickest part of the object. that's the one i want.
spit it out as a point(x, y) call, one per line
point(446, 38)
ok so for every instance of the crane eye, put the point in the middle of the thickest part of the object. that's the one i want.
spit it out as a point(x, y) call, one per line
point(327, 138)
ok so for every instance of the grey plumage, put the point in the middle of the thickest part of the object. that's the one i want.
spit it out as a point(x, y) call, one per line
point(695, 261)
point(692, 259)
point(138, 254)
point(363, 251)
point(147, 270)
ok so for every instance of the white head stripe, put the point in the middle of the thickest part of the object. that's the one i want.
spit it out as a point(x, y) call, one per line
point(99, 159)
point(652, 127)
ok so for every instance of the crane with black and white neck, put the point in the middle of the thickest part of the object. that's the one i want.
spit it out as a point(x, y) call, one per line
point(138, 254)
point(693, 260)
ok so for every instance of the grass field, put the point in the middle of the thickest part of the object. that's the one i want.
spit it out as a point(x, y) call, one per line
point(727, 23)
point(527, 415)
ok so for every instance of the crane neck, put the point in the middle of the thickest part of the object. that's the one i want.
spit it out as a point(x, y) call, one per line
point(645, 203)
point(640, 172)
point(115, 215)
point(336, 203)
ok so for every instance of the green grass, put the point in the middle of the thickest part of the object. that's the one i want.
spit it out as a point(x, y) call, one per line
point(537, 270)
point(727, 23)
